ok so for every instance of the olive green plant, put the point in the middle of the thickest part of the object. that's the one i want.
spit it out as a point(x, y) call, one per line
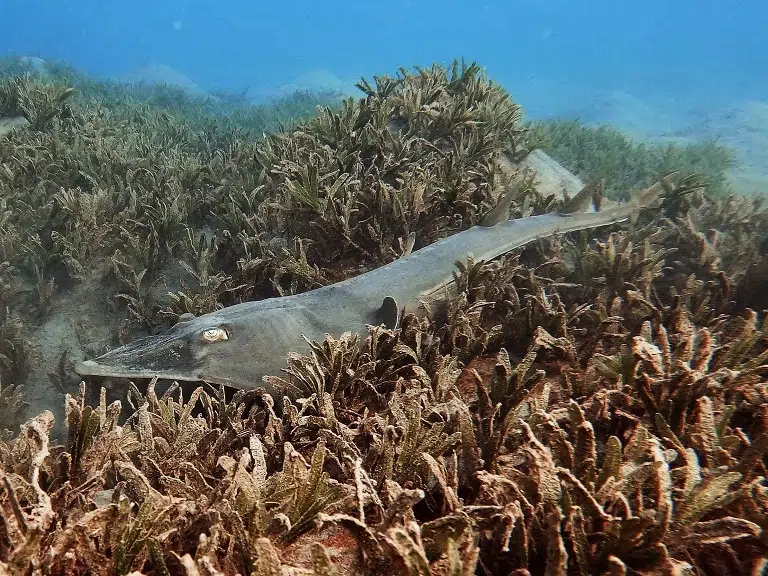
point(592, 404)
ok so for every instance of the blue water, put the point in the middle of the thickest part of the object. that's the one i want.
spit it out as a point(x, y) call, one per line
point(715, 51)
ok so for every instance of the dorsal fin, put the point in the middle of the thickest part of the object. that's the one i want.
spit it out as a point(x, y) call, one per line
point(579, 203)
point(649, 195)
point(499, 213)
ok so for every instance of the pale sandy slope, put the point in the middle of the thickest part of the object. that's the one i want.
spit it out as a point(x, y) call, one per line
point(741, 125)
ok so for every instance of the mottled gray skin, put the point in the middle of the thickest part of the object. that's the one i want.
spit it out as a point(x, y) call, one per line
point(262, 333)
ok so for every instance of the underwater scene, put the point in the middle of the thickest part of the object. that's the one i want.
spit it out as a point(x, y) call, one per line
point(406, 288)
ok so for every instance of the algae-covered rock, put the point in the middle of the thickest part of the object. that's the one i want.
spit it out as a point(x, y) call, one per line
point(551, 176)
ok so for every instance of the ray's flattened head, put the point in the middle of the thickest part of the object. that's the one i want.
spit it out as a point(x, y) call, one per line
point(181, 353)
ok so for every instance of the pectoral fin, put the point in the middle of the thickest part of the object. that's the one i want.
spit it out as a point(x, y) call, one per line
point(389, 313)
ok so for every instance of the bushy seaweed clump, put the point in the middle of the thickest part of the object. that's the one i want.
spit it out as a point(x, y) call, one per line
point(593, 404)
point(624, 164)
point(94, 167)
point(589, 408)
point(221, 111)
point(130, 191)
point(118, 182)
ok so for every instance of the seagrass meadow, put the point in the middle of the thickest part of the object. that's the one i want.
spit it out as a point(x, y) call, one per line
point(593, 403)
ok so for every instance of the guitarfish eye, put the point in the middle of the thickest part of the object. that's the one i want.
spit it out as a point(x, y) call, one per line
point(215, 335)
